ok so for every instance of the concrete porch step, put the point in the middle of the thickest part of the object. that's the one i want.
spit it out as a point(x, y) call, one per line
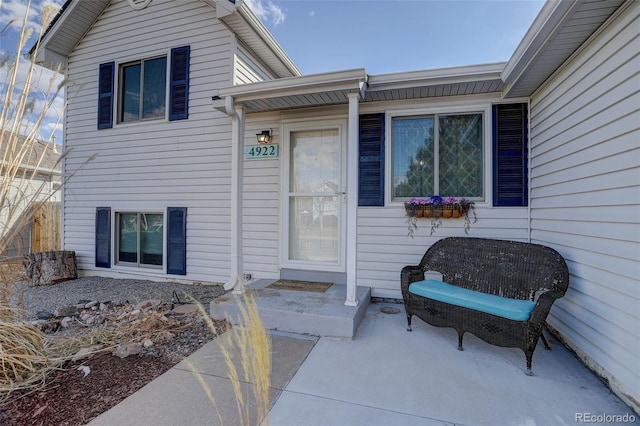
point(318, 314)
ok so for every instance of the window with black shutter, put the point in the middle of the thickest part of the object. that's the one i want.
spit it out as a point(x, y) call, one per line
point(371, 161)
point(177, 240)
point(105, 96)
point(154, 88)
point(510, 145)
point(103, 237)
point(179, 85)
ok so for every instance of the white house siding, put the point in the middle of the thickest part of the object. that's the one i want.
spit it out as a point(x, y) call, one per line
point(586, 198)
point(261, 202)
point(248, 69)
point(152, 165)
point(384, 247)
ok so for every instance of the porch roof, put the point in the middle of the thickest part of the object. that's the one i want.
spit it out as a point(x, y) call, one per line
point(333, 88)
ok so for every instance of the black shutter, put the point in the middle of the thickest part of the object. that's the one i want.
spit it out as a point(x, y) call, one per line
point(371, 163)
point(510, 142)
point(179, 85)
point(103, 237)
point(177, 240)
point(105, 95)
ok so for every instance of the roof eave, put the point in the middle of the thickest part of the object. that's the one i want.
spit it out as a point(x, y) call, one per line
point(256, 24)
point(448, 75)
point(543, 27)
point(340, 80)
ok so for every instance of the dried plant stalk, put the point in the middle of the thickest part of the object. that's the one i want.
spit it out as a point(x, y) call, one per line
point(251, 344)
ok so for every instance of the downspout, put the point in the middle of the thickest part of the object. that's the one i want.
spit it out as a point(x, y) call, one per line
point(529, 169)
point(237, 137)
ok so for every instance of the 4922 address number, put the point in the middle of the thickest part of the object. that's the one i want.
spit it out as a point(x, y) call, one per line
point(261, 151)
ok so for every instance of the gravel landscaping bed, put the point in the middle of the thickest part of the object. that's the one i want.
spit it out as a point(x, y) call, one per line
point(117, 290)
point(154, 326)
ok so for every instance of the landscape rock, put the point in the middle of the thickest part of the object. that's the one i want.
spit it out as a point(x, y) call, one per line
point(46, 326)
point(165, 336)
point(147, 305)
point(124, 350)
point(44, 315)
point(91, 304)
point(185, 309)
point(67, 311)
point(66, 321)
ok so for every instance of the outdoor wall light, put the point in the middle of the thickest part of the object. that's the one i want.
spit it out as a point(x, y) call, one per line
point(264, 137)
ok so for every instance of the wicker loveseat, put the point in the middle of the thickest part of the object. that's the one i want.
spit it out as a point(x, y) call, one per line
point(501, 291)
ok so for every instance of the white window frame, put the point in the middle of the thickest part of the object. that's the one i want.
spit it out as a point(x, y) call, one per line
point(484, 108)
point(119, 98)
point(116, 240)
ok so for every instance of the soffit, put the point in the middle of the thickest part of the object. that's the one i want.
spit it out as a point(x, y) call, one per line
point(561, 29)
point(67, 29)
point(334, 88)
point(248, 27)
point(442, 82)
point(296, 92)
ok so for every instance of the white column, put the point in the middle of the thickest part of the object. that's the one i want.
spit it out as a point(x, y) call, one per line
point(352, 198)
point(237, 155)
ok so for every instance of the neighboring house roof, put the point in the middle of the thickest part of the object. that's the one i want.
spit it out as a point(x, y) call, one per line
point(76, 17)
point(44, 156)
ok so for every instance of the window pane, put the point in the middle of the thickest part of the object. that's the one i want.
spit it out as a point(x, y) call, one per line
point(315, 161)
point(413, 157)
point(313, 234)
point(130, 93)
point(128, 237)
point(155, 79)
point(151, 233)
point(460, 149)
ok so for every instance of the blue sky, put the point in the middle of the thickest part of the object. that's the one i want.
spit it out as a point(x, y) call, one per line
point(382, 36)
point(394, 36)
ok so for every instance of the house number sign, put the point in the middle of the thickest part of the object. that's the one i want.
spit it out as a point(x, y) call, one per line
point(261, 151)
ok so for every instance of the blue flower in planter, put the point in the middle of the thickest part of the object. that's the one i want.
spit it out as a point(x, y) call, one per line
point(436, 199)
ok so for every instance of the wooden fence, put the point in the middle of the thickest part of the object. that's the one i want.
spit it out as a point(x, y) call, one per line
point(45, 231)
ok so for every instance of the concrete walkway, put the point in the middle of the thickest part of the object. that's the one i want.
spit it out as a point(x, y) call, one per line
point(384, 376)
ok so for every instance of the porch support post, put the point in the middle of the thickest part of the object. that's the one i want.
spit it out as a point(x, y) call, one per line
point(352, 198)
point(237, 147)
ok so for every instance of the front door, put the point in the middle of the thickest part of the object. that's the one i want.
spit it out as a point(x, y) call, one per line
point(314, 206)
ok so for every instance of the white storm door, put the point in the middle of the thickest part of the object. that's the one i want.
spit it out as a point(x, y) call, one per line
point(315, 202)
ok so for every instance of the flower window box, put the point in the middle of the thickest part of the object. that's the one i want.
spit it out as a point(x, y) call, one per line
point(435, 208)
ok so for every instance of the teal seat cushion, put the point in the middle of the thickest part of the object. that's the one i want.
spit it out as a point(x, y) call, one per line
point(517, 310)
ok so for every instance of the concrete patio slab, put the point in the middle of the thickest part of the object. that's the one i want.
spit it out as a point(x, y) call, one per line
point(421, 375)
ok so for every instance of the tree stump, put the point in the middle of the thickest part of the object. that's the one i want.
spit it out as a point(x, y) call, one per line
point(51, 267)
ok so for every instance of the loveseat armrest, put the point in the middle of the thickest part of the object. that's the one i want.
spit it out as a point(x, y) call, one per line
point(541, 310)
point(410, 274)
